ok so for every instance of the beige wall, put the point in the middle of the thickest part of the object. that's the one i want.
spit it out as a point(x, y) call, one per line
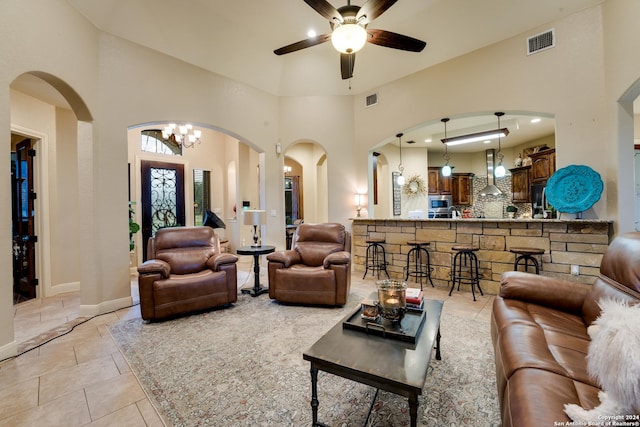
point(579, 81)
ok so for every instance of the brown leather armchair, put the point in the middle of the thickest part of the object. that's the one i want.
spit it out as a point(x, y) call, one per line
point(317, 270)
point(186, 272)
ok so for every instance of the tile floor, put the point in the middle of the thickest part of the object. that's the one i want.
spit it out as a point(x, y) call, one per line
point(82, 379)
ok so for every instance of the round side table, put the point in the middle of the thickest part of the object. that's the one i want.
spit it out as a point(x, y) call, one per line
point(256, 251)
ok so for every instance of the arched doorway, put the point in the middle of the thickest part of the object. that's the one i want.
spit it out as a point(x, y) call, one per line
point(48, 116)
point(310, 162)
point(221, 173)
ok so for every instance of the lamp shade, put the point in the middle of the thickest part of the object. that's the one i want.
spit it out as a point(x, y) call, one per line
point(349, 38)
point(254, 217)
point(360, 199)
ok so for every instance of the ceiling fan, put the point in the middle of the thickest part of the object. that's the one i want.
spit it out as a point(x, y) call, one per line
point(349, 32)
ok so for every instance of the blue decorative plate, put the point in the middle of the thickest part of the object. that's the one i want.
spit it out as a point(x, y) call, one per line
point(574, 189)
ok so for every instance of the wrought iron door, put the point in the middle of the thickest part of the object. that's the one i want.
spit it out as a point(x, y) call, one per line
point(162, 198)
point(24, 238)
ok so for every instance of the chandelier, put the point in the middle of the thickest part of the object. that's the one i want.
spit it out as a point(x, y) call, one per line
point(184, 135)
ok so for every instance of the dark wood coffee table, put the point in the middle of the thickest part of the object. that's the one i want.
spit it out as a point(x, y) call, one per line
point(387, 364)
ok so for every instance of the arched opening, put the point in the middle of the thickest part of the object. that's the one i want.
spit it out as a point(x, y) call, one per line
point(172, 184)
point(423, 155)
point(49, 118)
point(310, 162)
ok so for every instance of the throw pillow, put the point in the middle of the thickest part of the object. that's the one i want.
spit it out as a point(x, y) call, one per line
point(613, 361)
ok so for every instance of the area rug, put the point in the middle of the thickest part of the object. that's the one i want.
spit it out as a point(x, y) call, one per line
point(243, 366)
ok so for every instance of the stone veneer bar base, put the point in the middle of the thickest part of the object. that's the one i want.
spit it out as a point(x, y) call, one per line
point(566, 243)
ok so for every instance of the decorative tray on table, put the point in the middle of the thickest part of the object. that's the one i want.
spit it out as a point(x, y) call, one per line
point(408, 329)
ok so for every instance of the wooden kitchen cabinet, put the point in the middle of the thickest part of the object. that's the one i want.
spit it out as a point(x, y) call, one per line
point(436, 183)
point(462, 188)
point(520, 184)
point(543, 165)
point(433, 180)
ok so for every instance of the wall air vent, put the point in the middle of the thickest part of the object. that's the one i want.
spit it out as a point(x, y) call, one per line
point(542, 41)
point(371, 100)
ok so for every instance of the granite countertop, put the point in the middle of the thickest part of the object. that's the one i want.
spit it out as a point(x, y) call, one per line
point(595, 221)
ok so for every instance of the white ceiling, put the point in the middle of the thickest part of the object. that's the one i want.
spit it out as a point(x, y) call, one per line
point(237, 38)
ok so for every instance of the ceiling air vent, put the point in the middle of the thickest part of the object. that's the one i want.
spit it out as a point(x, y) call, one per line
point(542, 41)
point(371, 100)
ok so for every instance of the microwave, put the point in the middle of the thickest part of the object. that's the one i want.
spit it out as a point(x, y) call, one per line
point(440, 203)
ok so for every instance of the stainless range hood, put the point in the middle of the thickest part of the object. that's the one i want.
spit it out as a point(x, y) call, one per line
point(490, 189)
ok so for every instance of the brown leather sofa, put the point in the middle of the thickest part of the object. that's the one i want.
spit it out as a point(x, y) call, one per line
point(539, 332)
point(186, 272)
point(317, 270)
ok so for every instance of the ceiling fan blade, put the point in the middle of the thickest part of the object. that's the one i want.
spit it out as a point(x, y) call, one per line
point(303, 44)
point(372, 9)
point(347, 61)
point(395, 40)
point(325, 9)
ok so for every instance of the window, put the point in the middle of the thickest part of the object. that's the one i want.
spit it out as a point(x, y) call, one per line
point(152, 142)
point(201, 195)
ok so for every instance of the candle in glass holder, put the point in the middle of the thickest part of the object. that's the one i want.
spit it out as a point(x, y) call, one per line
point(392, 303)
point(392, 297)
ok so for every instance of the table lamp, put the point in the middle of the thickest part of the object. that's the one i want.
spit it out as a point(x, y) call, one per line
point(255, 218)
point(359, 200)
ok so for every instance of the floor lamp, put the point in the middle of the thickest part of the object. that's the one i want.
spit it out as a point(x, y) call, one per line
point(255, 218)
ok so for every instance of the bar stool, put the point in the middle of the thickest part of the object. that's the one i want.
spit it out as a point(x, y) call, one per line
point(524, 255)
point(416, 265)
point(375, 257)
point(465, 268)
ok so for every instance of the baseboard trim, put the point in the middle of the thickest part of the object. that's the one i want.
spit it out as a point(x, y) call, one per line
point(105, 307)
point(64, 288)
point(9, 350)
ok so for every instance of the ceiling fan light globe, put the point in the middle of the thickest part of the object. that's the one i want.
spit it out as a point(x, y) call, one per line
point(349, 38)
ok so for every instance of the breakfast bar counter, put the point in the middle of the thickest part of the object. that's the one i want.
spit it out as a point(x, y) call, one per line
point(577, 243)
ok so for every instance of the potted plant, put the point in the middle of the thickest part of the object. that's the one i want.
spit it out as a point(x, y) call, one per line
point(511, 211)
point(134, 227)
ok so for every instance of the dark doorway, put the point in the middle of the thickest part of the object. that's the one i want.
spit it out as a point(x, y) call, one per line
point(162, 198)
point(22, 222)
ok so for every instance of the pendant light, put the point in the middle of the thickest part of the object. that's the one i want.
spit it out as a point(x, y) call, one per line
point(446, 169)
point(500, 170)
point(400, 167)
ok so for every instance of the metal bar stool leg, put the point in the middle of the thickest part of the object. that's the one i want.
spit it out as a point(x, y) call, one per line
point(472, 274)
point(429, 267)
point(454, 276)
point(366, 261)
point(383, 266)
point(477, 275)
